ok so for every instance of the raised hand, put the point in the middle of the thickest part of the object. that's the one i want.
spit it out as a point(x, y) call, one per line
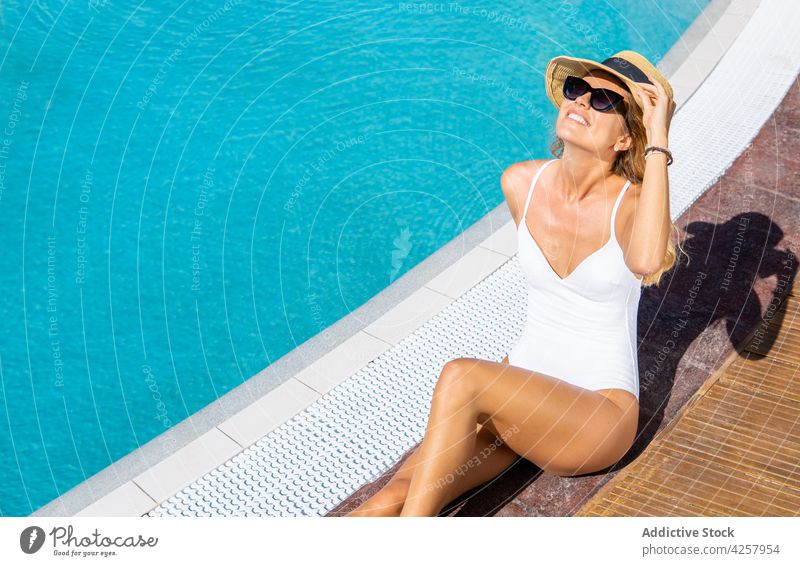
point(658, 111)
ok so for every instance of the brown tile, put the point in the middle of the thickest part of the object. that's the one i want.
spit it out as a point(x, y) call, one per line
point(762, 209)
point(705, 209)
point(556, 496)
point(650, 422)
point(769, 161)
point(678, 328)
point(512, 509)
point(713, 345)
point(788, 112)
point(490, 498)
point(728, 261)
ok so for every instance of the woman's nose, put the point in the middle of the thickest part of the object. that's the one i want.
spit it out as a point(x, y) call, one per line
point(584, 99)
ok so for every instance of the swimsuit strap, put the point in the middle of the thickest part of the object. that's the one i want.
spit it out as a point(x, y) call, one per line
point(616, 206)
point(533, 184)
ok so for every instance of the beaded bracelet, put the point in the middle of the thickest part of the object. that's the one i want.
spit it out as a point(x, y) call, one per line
point(654, 148)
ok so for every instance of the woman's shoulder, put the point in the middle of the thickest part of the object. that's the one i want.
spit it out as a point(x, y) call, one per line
point(516, 181)
point(517, 177)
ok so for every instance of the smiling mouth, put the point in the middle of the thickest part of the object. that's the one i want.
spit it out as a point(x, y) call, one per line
point(574, 117)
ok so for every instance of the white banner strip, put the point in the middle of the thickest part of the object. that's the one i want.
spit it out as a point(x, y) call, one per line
point(386, 541)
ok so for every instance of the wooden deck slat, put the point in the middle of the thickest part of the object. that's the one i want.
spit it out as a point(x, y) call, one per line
point(734, 445)
point(648, 488)
point(765, 376)
point(730, 452)
point(701, 484)
point(653, 500)
point(730, 408)
point(734, 448)
point(633, 504)
point(643, 498)
point(721, 398)
point(738, 468)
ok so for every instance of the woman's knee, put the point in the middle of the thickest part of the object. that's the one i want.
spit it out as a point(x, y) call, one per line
point(455, 385)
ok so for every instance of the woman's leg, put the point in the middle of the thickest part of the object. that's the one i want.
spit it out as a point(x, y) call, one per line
point(388, 501)
point(560, 427)
point(488, 459)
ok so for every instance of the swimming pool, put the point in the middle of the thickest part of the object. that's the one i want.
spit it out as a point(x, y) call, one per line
point(191, 191)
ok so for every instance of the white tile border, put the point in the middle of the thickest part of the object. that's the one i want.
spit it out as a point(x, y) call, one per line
point(260, 412)
point(467, 272)
point(128, 500)
point(408, 315)
point(503, 240)
point(709, 48)
point(187, 464)
point(342, 362)
point(261, 417)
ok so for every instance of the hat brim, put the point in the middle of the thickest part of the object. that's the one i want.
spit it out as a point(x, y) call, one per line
point(559, 68)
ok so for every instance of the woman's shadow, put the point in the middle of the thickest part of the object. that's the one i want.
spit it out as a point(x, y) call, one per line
point(716, 282)
point(714, 285)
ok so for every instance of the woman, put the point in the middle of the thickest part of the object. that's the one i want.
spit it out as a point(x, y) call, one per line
point(567, 395)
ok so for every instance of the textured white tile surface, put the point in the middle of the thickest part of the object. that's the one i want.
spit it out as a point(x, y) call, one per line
point(753, 76)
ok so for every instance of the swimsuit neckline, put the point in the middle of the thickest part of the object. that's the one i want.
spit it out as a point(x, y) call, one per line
point(523, 225)
point(547, 261)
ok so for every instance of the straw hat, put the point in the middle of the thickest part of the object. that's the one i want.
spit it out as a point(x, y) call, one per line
point(631, 67)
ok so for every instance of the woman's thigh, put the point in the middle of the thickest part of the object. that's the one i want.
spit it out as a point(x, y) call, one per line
point(560, 427)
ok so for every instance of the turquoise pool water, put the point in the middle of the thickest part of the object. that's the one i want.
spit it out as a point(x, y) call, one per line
point(188, 191)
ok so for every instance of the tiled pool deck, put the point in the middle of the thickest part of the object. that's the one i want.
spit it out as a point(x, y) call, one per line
point(135, 485)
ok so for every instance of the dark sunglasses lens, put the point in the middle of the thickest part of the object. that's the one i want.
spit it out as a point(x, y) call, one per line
point(605, 100)
point(575, 87)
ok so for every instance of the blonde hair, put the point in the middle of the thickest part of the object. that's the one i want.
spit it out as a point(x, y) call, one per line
point(630, 165)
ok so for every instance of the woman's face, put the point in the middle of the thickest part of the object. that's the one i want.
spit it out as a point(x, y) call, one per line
point(605, 133)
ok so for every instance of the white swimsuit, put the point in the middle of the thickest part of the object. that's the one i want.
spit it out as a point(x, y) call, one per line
point(582, 328)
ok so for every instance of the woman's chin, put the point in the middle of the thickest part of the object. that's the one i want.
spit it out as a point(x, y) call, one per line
point(584, 141)
point(571, 131)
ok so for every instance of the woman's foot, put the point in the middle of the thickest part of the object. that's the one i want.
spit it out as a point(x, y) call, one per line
point(388, 502)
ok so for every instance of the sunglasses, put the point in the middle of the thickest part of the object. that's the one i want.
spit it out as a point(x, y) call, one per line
point(601, 99)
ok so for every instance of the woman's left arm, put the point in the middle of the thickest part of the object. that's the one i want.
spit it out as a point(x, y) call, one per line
point(650, 229)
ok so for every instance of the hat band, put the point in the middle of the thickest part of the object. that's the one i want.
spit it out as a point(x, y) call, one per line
point(625, 67)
